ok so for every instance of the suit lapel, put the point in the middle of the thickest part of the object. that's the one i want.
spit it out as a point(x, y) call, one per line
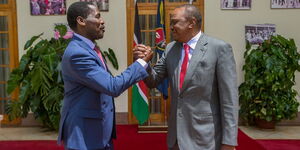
point(197, 56)
point(176, 55)
point(88, 48)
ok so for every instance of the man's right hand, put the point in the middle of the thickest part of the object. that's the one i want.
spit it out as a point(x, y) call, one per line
point(143, 52)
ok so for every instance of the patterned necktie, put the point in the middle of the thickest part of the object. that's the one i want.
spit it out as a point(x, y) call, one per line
point(184, 64)
point(100, 55)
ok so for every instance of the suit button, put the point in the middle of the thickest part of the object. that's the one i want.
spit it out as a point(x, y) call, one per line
point(180, 115)
point(103, 103)
point(111, 110)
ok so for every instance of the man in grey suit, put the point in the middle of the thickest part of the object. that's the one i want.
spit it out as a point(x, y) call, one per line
point(204, 98)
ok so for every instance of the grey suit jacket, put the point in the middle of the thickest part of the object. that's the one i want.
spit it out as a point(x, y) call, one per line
point(204, 113)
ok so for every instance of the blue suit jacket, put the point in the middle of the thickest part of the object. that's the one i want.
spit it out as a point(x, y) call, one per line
point(87, 116)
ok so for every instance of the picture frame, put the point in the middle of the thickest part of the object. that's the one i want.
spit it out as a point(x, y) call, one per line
point(257, 33)
point(236, 4)
point(103, 5)
point(285, 3)
point(47, 7)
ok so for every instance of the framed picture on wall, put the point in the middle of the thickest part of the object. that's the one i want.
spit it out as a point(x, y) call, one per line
point(236, 4)
point(257, 33)
point(103, 5)
point(285, 3)
point(48, 7)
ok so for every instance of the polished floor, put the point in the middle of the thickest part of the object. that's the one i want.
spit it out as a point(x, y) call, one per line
point(37, 133)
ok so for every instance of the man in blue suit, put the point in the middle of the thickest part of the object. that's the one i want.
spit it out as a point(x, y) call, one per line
point(88, 113)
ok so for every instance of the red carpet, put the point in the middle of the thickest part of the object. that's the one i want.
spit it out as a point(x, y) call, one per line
point(129, 139)
point(247, 143)
point(280, 144)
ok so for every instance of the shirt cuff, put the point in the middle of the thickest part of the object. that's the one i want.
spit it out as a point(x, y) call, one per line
point(142, 62)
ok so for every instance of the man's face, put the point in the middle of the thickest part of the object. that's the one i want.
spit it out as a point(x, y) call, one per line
point(94, 24)
point(180, 26)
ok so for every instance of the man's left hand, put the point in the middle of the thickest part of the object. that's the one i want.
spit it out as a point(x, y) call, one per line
point(227, 147)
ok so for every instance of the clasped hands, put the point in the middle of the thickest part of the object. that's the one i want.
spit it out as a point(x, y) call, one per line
point(143, 52)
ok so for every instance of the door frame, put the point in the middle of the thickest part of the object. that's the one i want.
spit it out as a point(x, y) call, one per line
point(10, 10)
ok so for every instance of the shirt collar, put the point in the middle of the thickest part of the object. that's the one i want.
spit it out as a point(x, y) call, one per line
point(192, 43)
point(86, 40)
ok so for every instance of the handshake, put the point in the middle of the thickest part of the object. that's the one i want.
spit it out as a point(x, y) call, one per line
point(143, 52)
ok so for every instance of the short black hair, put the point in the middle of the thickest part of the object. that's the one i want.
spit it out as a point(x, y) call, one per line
point(78, 9)
point(192, 11)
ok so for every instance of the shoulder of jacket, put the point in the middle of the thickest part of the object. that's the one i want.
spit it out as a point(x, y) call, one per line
point(215, 40)
point(220, 46)
point(75, 47)
point(171, 45)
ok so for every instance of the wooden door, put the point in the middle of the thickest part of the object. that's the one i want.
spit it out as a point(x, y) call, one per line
point(8, 52)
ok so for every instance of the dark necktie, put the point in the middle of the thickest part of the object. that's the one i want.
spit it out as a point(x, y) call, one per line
point(184, 64)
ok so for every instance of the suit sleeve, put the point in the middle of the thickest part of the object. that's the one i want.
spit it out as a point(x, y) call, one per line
point(228, 95)
point(158, 72)
point(88, 72)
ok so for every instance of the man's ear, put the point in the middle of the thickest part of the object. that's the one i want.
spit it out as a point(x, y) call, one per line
point(193, 22)
point(80, 21)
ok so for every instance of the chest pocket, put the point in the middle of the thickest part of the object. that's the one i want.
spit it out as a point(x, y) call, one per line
point(204, 71)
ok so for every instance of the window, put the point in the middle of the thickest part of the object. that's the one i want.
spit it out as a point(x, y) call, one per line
point(8, 49)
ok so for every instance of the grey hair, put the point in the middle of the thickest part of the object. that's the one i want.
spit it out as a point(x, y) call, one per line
point(192, 11)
